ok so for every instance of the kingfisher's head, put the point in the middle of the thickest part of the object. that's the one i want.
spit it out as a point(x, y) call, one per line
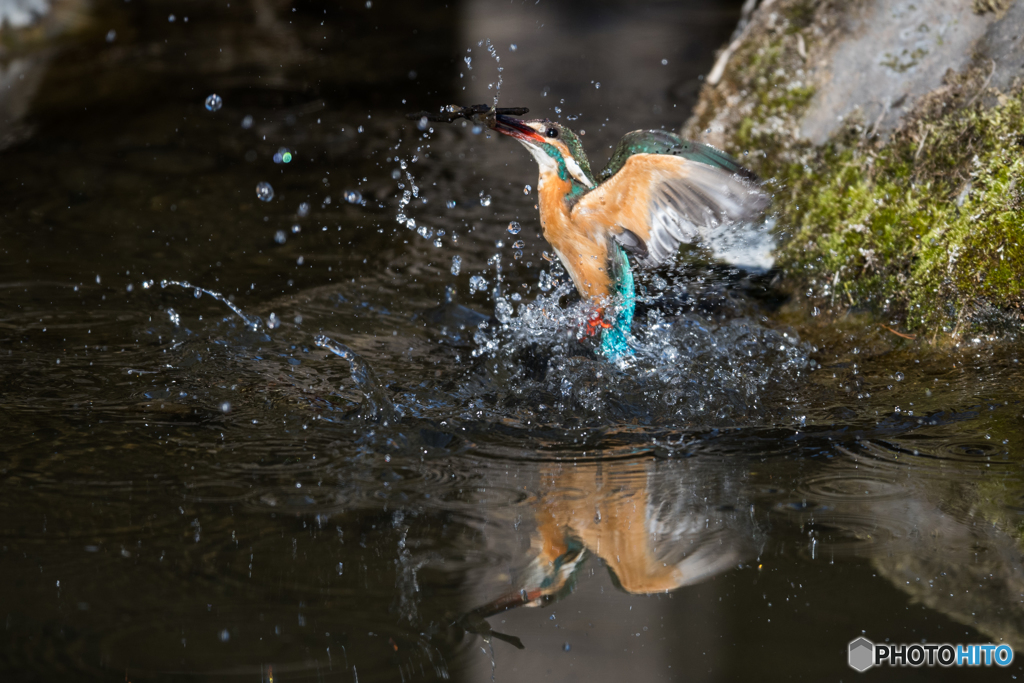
point(555, 148)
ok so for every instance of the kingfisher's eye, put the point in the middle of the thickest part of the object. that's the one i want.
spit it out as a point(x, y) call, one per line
point(552, 132)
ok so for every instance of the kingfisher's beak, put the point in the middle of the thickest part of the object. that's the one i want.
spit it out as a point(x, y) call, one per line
point(516, 128)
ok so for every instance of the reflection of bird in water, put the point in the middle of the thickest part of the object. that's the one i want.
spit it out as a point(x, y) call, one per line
point(648, 547)
point(654, 529)
point(657, 192)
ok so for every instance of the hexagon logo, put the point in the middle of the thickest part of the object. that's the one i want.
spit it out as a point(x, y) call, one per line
point(862, 654)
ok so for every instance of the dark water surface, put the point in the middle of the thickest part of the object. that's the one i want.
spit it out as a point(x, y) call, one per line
point(190, 494)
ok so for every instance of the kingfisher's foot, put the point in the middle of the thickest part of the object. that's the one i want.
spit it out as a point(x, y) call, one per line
point(597, 324)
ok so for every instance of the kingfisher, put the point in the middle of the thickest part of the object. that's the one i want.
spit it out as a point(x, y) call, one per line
point(657, 191)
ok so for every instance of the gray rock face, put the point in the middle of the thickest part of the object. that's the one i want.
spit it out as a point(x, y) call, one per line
point(893, 52)
point(872, 60)
point(1003, 44)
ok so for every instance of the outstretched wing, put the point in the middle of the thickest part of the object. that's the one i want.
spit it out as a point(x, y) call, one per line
point(655, 202)
point(664, 142)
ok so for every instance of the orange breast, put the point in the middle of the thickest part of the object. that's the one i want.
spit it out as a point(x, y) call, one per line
point(581, 246)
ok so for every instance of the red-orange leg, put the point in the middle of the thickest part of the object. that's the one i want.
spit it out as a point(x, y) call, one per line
point(597, 323)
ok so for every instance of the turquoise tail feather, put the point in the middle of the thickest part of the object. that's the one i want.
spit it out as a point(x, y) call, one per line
point(615, 341)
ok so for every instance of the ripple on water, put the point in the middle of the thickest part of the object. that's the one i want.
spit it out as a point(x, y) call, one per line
point(853, 508)
point(845, 532)
point(967, 455)
point(830, 488)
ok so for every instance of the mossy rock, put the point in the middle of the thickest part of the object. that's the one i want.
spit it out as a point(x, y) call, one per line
point(904, 198)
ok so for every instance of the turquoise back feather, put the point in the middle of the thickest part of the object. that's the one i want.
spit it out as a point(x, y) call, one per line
point(615, 341)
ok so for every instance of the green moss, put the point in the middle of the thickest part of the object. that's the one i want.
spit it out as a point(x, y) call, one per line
point(927, 229)
point(776, 99)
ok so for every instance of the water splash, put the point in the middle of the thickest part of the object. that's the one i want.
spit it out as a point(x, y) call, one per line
point(497, 60)
point(718, 370)
point(379, 405)
point(252, 322)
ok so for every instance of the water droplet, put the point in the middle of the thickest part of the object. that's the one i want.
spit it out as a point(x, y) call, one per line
point(518, 244)
point(214, 102)
point(111, 35)
point(264, 192)
point(171, 18)
point(513, 47)
point(225, 407)
point(303, 211)
point(485, 200)
point(425, 232)
point(273, 321)
point(300, 260)
point(514, 228)
point(450, 203)
point(282, 156)
point(597, 86)
point(197, 293)
point(477, 283)
point(280, 237)
point(247, 122)
point(296, 229)
point(437, 242)
point(225, 636)
point(352, 196)
point(664, 62)
point(566, 647)
point(503, 311)
point(469, 62)
point(517, 254)
point(527, 189)
point(899, 376)
point(456, 264)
